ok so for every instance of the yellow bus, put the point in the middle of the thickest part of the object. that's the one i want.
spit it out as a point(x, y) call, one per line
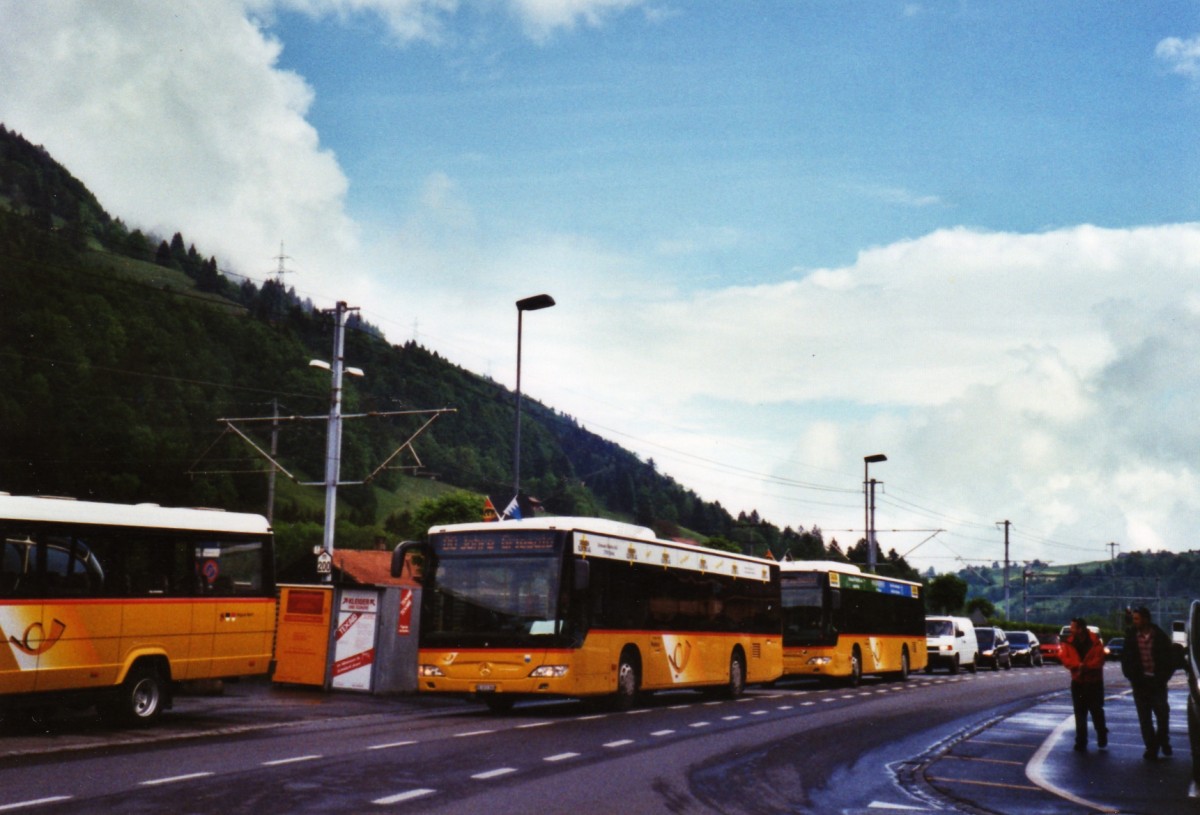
point(840, 622)
point(585, 607)
point(113, 605)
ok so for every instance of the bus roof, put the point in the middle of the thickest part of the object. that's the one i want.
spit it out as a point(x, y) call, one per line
point(598, 526)
point(150, 516)
point(819, 566)
point(602, 526)
point(836, 566)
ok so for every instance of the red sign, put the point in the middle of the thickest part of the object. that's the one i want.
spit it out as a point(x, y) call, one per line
point(404, 624)
point(344, 666)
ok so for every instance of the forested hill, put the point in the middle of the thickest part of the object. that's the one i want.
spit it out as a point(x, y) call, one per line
point(120, 350)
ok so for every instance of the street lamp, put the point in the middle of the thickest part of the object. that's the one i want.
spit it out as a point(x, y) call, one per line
point(534, 303)
point(869, 507)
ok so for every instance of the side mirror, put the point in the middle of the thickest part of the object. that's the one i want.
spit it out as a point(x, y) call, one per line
point(400, 557)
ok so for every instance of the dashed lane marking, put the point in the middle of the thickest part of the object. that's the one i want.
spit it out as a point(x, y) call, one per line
point(403, 796)
point(172, 779)
point(496, 773)
point(293, 760)
point(35, 802)
point(390, 745)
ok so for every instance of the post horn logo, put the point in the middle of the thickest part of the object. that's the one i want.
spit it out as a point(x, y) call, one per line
point(34, 641)
point(679, 656)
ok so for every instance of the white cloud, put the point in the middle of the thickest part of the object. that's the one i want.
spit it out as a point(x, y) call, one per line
point(177, 117)
point(542, 18)
point(1183, 56)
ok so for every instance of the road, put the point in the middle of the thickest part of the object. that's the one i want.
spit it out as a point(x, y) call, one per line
point(797, 747)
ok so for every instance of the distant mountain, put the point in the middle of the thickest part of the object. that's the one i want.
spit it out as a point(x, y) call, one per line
point(121, 349)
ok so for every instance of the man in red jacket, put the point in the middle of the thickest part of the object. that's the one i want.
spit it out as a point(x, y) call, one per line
point(1083, 655)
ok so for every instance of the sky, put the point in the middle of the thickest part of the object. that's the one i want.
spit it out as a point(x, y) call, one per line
point(781, 236)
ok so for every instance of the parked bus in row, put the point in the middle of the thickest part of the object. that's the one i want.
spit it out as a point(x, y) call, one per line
point(585, 607)
point(111, 605)
point(841, 623)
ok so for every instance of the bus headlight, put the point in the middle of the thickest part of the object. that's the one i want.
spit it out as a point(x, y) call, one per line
point(429, 670)
point(555, 671)
point(819, 660)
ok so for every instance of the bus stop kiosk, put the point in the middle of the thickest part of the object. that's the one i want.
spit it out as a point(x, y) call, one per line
point(350, 635)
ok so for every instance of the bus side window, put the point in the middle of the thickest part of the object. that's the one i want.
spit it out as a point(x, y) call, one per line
point(17, 567)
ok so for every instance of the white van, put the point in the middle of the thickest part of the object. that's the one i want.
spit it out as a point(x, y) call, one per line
point(951, 643)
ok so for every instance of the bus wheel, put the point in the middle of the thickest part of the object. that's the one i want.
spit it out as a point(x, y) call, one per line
point(140, 700)
point(737, 676)
point(627, 682)
point(902, 675)
point(855, 678)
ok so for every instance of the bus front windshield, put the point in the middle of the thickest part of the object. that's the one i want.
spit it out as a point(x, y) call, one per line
point(487, 598)
point(805, 619)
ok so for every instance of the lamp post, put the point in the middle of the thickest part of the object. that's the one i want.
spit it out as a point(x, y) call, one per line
point(869, 507)
point(534, 303)
point(333, 442)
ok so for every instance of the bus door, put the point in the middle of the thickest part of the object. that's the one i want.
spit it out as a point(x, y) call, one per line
point(233, 622)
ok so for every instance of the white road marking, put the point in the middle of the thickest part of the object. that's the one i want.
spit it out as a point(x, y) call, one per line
point(561, 757)
point(905, 807)
point(1035, 770)
point(390, 745)
point(403, 796)
point(532, 724)
point(172, 779)
point(698, 724)
point(620, 743)
point(473, 733)
point(496, 773)
point(34, 802)
point(293, 760)
point(662, 732)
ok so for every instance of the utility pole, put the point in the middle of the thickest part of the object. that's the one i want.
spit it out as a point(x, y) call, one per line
point(333, 447)
point(280, 271)
point(1112, 566)
point(1007, 601)
point(274, 453)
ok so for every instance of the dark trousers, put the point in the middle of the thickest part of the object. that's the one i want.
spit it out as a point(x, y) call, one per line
point(1150, 699)
point(1088, 697)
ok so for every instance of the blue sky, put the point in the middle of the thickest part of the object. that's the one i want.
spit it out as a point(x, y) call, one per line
point(781, 235)
point(807, 130)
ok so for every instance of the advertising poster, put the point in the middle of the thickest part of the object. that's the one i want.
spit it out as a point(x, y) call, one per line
point(354, 651)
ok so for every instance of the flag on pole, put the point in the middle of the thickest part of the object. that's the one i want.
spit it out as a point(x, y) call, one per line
point(512, 512)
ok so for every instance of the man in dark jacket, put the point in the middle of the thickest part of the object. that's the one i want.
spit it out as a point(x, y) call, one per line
point(1148, 663)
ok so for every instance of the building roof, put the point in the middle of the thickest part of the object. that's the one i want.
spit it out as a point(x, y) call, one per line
point(367, 567)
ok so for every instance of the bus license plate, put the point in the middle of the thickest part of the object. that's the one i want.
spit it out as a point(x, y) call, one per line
point(485, 688)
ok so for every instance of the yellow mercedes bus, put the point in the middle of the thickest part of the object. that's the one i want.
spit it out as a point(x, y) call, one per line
point(586, 607)
point(840, 622)
point(113, 605)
